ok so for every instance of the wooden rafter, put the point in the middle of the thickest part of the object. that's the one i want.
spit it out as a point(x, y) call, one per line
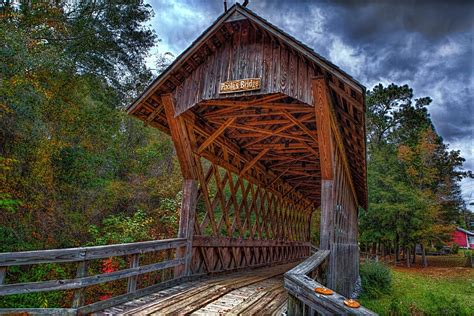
point(216, 134)
point(251, 163)
point(154, 114)
point(301, 125)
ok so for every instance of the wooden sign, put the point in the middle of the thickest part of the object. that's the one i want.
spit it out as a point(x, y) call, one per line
point(240, 85)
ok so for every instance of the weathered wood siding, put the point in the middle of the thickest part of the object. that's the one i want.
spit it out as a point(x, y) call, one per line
point(250, 53)
point(344, 261)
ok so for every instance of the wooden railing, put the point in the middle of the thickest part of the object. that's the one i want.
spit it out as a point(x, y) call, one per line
point(82, 256)
point(219, 254)
point(303, 300)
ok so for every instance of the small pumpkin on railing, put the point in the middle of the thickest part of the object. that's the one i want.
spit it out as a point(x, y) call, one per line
point(352, 303)
point(323, 290)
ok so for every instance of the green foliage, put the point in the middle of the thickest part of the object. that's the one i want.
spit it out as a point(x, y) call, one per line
point(69, 157)
point(445, 305)
point(376, 279)
point(122, 229)
point(74, 168)
point(172, 204)
point(418, 294)
point(31, 274)
point(455, 249)
point(469, 255)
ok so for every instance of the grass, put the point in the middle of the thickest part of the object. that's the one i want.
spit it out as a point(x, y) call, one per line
point(436, 290)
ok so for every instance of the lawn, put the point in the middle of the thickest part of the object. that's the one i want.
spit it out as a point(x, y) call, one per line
point(445, 288)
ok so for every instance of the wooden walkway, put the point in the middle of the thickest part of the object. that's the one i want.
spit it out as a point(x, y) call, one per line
point(253, 292)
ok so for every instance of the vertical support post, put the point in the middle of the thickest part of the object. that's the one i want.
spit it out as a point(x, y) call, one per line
point(3, 274)
point(295, 306)
point(79, 296)
point(344, 255)
point(180, 134)
point(132, 281)
point(326, 153)
point(186, 226)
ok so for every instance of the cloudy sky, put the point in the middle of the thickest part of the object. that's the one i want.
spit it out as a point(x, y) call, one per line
point(425, 44)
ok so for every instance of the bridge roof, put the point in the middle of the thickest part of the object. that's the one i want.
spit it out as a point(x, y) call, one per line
point(286, 151)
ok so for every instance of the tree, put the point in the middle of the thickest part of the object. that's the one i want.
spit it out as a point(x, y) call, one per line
point(68, 154)
point(70, 159)
point(413, 178)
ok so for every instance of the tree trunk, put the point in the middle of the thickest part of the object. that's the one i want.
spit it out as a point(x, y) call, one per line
point(407, 255)
point(377, 246)
point(423, 256)
point(414, 255)
point(397, 250)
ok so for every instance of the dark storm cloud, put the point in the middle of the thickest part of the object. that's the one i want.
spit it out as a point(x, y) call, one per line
point(425, 44)
point(433, 19)
point(362, 20)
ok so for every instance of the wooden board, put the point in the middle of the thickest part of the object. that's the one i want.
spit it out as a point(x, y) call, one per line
point(258, 291)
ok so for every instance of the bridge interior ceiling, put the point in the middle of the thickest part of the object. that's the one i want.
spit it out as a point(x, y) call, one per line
point(270, 140)
point(278, 132)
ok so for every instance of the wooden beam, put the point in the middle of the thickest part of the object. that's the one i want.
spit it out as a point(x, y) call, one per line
point(326, 151)
point(323, 121)
point(267, 99)
point(268, 132)
point(254, 161)
point(301, 125)
point(154, 114)
point(202, 128)
point(216, 134)
point(279, 130)
point(325, 110)
point(180, 136)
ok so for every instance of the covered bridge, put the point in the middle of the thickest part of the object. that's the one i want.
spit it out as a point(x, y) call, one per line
point(267, 133)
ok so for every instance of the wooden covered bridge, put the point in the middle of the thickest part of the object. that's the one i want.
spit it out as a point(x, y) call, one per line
point(268, 135)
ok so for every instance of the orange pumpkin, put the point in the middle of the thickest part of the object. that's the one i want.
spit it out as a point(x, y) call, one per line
point(323, 290)
point(352, 303)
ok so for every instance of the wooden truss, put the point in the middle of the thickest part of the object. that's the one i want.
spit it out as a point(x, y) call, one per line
point(257, 164)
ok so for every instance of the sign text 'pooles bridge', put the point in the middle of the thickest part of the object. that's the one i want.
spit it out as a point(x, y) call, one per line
point(240, 85)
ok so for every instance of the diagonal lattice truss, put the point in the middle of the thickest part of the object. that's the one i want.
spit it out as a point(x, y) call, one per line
point(231, 206)
point(247, 224)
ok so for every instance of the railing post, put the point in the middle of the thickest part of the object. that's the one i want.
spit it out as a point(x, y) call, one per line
point(3, 274)
point(132, 281)
point(295, 306)
point(79, 297)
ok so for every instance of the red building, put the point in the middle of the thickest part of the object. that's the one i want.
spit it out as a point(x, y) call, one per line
point(464, 238)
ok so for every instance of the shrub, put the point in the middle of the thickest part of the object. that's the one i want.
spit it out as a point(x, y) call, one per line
point(443, 305)
point(376, 279)
point(469, 254)
point(455, 249)
point(120, 228)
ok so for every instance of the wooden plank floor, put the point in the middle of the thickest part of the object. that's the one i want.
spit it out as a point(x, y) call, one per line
point(253, 292)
